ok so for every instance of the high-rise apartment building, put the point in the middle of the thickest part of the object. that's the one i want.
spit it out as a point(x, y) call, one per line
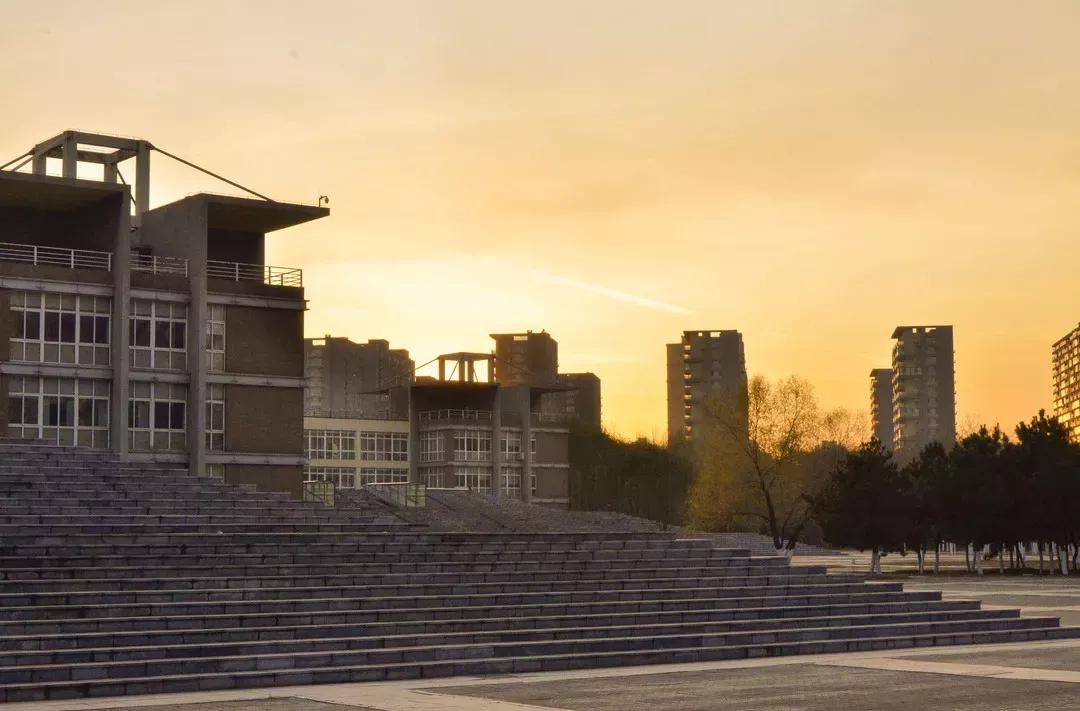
point(576, 397)
point(347, 379)
point(1066, 366)
point(704, 365)
point(159, 334)
point(881, 407)
point(923, 388)
point(528, 358)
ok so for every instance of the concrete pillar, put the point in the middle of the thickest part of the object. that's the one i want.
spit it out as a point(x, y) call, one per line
point(496, 446)
point(121, 315)
point(414, 436)
point(110, 173)
point(39, 164)
point(196, 337)
point(142, 182)
point(70, 156)
point(526, 438)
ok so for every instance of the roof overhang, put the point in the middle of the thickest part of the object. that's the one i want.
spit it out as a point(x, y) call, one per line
point(50, 193)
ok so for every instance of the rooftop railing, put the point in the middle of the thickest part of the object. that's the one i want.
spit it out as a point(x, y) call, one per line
point(55, 256)
point(274, 276)
point(478, 415)
point(153, 264)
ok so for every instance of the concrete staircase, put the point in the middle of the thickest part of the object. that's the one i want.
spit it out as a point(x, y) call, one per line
point(123, 579)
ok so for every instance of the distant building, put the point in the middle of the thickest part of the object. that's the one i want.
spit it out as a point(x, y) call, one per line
point(526, 359)
point(353, 452)
point(703, 365)
point(578, 398)
point(881, 406)
point(924, 391)
point(1066, 364)
point(344, 378)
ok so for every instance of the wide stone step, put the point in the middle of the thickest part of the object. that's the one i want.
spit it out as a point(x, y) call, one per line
point(337, 578)
point(492, 665)
point(435, 610)
point(420, 589)
point(406, 650)
point(732, 565)
point(745, 618)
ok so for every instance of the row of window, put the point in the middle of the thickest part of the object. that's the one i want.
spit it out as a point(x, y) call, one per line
point(74, 329)
point(342, 444)
point(75, 412)
point(475, 478)
point(471, 446)
point(350, 478)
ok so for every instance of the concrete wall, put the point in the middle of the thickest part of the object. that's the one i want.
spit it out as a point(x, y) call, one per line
point(261, 341)
point(552, 447)
point(267, 477)
point(552, 483)
point(234, 246)
point(264, 420)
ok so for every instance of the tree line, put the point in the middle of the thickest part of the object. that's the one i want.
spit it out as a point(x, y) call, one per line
point(988, 491)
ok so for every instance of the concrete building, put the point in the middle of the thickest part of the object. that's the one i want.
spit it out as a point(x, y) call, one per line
point(1066, 366)
point(703, 365)
point(577, 398)
point(159, 334)
point(344, 378)
point(468, 432)
point(881, 406)
point(353, 452)
point(923, 388)
point(526, 359)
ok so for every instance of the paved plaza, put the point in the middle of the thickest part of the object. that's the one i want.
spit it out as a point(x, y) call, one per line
point(1035, 675)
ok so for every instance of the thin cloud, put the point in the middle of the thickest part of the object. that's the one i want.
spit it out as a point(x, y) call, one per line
point(610, 293)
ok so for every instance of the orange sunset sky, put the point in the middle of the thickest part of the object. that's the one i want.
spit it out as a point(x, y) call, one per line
point(812, 173)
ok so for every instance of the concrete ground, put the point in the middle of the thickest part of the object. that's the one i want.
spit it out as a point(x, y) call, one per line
point(1037, 675)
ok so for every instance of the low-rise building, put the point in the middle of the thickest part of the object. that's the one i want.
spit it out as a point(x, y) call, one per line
point(159, 334)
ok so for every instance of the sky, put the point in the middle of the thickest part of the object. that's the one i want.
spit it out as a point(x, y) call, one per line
point(812, 174)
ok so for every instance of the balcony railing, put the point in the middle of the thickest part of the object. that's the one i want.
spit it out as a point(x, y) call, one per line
point(477, 415)
point(153, 264)
point(550, 418)
point(55, 256)
point(274, 276)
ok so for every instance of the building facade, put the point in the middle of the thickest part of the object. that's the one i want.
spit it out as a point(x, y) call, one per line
point(159, 334)
point(354, 452)
point(923, 388)
point(528, 358)
point(1065, 358)
point(881, 406)
point(577, 398)
point(347, 379)
point(704, 365)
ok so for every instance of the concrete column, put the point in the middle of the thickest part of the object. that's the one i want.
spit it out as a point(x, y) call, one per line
point(496, 446)
point(526, 438)
point(110, 173)
point(39, 164)
point(121, 315)
point(196, 335)
point(414, 437)
point(70, 156)
point(142, 183)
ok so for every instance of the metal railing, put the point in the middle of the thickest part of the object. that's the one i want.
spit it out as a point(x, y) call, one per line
point(406, 495)
point(464, 455)
point(274, 276)
point(55, 256)
point(554, 418)
point(478, 415)
point(154, 264)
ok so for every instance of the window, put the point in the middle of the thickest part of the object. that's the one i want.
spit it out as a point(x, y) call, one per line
point(60, 328)
point(64, 411)
point(342, 477)
point(382, 475)
point(384, 446)
point(511, 481)
point(511, 446)
point(330, 444)
point(215, 417)
point(216, 471)
point(158, 335)
point(431, 446)
point(473, 478)
point(472, 446)
point(157, 417)
point(215, 337)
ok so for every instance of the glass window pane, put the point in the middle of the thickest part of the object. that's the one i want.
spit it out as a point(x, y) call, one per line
point(161, 416)
point(161, 334)
point(66, 412)
point(179, 332)
point(86, 412)
point(15, 410)
point(67, 328)
point(33, 325)
point(52, 326)
point(177, 410)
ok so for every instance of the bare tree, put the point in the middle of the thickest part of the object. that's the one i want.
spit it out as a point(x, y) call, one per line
point(757, 463)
